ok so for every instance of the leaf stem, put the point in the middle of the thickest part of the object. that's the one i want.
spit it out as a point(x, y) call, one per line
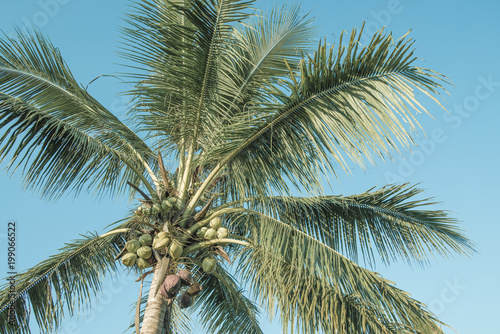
point(204, 244)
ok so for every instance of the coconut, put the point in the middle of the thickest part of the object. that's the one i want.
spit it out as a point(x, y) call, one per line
point(175, 250)
point(170, 286)
point(209, 264)
point(133, 245)
point(194, 289)
point(144, 252)
point(200, 233)
point(162, 235)
point(210, 234)
point(185, 300)
point(155, 209)
point(166, 205)
point(216, 223)
point(129, 259)
point(172, 200)
point(186, 277)
point(141, 263)
point(145, 239)
point(161, 243)
point(222, 233)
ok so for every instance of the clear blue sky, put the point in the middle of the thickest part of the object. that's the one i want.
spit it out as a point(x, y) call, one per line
point(457, 163)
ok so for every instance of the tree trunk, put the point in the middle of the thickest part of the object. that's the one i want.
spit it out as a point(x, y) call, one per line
point(154, 314)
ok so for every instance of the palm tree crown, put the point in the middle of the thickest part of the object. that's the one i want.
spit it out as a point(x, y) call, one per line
point(250, 108)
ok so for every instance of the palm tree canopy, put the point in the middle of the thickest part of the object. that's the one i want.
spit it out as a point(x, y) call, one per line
point(251, 107)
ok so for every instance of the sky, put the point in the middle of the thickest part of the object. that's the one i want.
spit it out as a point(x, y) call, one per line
point(456, 161)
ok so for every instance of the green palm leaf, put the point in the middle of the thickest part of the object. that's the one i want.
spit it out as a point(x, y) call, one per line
point(391, 220)
point(64, 137)
point(339, 298)
point(63, 283)
point(349, 102)
point(262, 45)
point(296, 264)
point(223, 307)
point(184, 47)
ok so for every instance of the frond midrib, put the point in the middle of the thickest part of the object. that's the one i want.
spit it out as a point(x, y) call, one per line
point(67, 126)
point(208, 67)
point(51, 270)
point(75, 98)
point(261, 61)
point(300, 105)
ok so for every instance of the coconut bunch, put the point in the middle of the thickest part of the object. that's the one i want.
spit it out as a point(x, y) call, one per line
point(164, 244)
point(171, 232)
point(138, 252)
point(173, 284)
point(155, 207)
point(214, 230)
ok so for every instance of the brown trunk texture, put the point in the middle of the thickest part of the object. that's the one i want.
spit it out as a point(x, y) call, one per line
point(156, 306)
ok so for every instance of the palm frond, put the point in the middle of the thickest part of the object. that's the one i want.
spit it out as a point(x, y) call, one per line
point(223, 308)
point(65, 282)
point(391, 220)
point(347, 103)
point(341, 298)
point(263, 43)
point(64, 137)
point(185, 48)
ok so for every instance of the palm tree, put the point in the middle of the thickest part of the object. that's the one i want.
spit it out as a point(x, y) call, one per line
point(250, 111)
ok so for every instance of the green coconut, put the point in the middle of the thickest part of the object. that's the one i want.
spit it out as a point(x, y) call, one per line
point(161, 243)
point(155, 209)
point(167, 204)
point(129, 259)
point(216, 223)
point(209, 264)
point(141, 263)
point(175, 250)
point(144, 252)
point(210, 234)
point(145, 239)
point(222, 233)
point(172, 200)
point(133, 245)
point(201, 232)
point(162, 235)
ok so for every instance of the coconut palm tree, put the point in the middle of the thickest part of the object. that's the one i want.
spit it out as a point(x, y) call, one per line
point(251, 109)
